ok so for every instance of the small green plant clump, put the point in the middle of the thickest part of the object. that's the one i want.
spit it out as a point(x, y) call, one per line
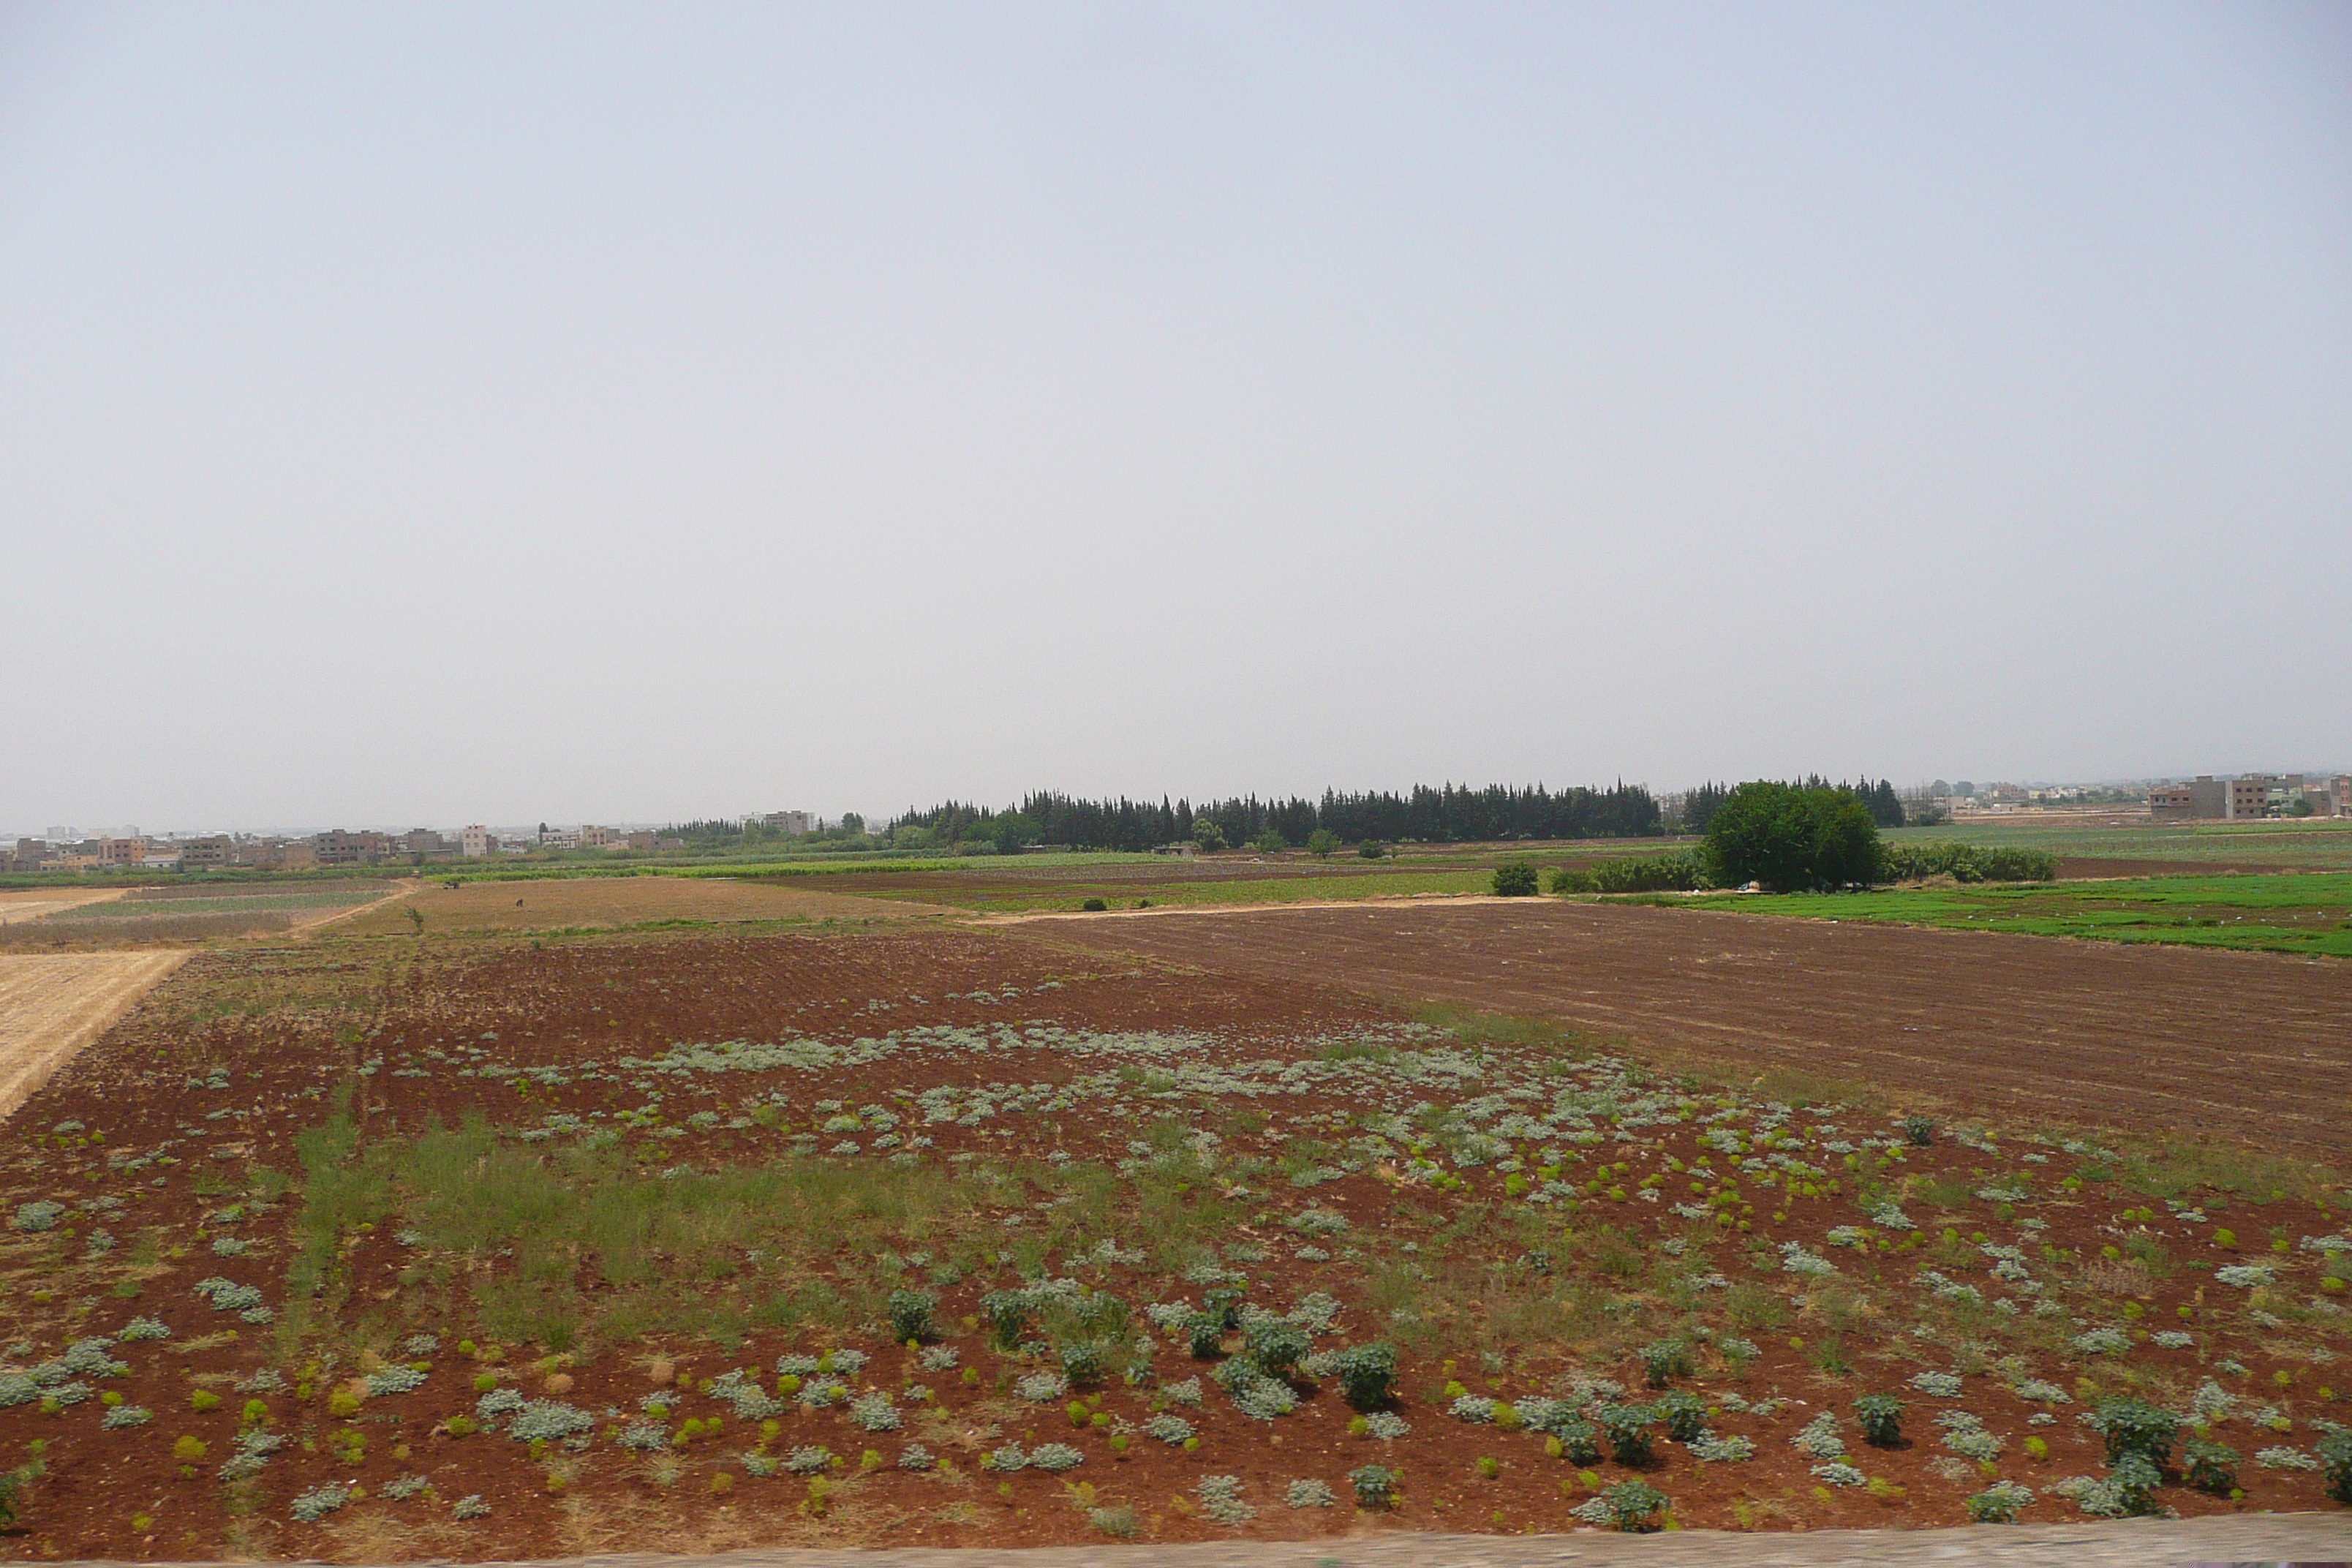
point(1628, 1429)
point(1376, 1486)
point(1684, 1412)
point(1630, 1506)
point(1366, 1375)
point(2135, 1427)
point(2335, 1463)
point(2000, 1503)
point(1665, 1360)
point(910, 1316)
point(11, 1486)
point(2211, 1466)
point(1881, 1415)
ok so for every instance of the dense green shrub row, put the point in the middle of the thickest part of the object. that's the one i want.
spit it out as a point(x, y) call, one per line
point(1967, 863)
point(1643, 874)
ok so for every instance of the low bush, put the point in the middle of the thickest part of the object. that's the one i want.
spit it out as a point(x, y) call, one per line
point(1009, 1314)
point(1881, 1415)
point(2212, 1466)
point(1274, 1345)
point(1366, 1375)
point(1663, 1360)
point(2000, 1503)
point(910, 1315)
point(2135, 1427)
point(1516, 879)
point(1628, 1430)
point(2336, 1460)
point(1375, 1485)
point(1634, 1506)
point(1684, 1412)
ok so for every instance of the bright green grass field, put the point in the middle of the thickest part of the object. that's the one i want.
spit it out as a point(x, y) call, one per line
point(2315, 845)
point(2292, 913)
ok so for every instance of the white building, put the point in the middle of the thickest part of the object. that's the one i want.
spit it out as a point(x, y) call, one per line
point(478, 841)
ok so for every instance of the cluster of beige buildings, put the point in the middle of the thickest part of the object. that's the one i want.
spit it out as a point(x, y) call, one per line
point(337, 847)
point(2251, 797)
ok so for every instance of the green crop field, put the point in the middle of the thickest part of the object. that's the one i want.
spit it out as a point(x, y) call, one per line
point(1070, 894)
point(2307, 913)
point(2310, 845)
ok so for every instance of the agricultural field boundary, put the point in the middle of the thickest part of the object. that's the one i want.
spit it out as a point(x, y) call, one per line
point(1380, 899)
point(2184, 1042)
point(2113, 1543)
point(51, 1006)
point(329, 917)
point(40, 901)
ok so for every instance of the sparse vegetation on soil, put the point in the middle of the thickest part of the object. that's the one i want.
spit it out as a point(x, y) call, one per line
point(517, 1244)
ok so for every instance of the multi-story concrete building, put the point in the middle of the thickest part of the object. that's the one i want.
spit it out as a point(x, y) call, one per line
point(122, 851)
point(207, 853)
point(337, 847)
point(476, 841)
point(594, 838)
point(2248, 797)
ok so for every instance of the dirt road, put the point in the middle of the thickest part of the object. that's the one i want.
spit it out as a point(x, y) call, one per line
point(2250, 1046)
point(2309, 1538)
point(53, 1004)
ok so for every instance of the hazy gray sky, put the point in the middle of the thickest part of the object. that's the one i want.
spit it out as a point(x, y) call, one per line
point(425, 413)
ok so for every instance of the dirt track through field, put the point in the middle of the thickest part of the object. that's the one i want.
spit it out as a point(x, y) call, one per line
point(2251, 1046)
point(53, 1004)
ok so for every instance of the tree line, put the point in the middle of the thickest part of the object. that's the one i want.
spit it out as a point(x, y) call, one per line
point(1884, 806)
point(1442, 813)
point(1448, 814)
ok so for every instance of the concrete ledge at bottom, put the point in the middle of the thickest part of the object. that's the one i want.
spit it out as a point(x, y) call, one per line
point(2250, 1538)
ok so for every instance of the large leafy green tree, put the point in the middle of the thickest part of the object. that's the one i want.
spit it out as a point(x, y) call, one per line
point(1789, 840)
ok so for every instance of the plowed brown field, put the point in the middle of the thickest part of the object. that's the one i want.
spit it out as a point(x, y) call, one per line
point(560, 903)
point(2247, 1045)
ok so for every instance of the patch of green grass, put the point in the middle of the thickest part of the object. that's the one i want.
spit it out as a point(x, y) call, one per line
point(2317, 844)
point(2288, 912)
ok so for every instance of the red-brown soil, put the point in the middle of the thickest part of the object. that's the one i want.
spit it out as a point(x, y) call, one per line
point(560, 1004)
point(2245, 1045)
